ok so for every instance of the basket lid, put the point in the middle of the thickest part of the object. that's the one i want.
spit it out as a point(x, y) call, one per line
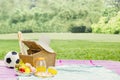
point(41, 45)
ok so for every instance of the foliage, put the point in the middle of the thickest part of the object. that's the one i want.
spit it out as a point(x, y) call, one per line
point(80, 29)
point(113, 3)
point(108, 26)
point(47, 15)
point(58, 15)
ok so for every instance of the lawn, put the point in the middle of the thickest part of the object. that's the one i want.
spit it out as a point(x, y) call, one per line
point(74, 48)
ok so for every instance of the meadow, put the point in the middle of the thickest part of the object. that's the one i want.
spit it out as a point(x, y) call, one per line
point(71, 46)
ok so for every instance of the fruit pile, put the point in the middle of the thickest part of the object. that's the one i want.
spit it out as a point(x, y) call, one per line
point(28, 69)
point(25, 68)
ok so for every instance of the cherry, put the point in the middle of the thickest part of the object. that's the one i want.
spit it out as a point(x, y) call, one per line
point(22, 70)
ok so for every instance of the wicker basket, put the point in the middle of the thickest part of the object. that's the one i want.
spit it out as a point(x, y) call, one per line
point(36, 51)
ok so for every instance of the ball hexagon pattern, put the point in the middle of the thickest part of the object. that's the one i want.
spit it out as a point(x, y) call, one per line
point(11, 59)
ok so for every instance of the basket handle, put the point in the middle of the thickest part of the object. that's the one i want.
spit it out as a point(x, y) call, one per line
point(22, 48)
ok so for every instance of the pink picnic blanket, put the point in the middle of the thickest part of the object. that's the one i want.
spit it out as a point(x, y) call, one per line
point(9, 74)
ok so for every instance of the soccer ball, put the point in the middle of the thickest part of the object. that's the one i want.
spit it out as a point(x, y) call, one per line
point(11, 59)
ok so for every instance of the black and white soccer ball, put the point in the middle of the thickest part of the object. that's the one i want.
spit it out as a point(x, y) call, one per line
point(11, 59)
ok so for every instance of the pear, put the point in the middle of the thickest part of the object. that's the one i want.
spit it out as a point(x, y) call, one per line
point(27, 70)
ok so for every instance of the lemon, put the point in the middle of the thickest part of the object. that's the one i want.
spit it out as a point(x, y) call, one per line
point(52, 71)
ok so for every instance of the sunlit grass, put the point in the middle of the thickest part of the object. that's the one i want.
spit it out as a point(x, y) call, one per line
point(73, 49)
point(77, 49)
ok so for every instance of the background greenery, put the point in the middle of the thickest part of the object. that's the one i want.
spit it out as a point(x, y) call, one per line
point(98, 16)
point(73, 49)
point(71, 46)
point(64, 16)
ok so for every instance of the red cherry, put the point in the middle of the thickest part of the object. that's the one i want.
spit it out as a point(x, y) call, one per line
point(22, 70)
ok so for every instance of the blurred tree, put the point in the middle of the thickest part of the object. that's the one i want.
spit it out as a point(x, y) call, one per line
point(112, 7)
point(54, 15)
point(33, 4)
point(114, 4)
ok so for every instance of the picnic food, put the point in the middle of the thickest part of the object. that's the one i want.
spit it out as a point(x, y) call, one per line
point(41, 69)
point(25, 68)
point(52, 70)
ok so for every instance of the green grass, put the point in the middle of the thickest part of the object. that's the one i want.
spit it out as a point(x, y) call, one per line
point(77, 49)
point(73, 49)
point(8, 45)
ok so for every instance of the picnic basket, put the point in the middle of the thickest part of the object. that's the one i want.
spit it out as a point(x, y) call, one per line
point(36, 50)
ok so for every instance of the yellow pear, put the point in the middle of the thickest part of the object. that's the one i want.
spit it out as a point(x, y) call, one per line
point(27, 70)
